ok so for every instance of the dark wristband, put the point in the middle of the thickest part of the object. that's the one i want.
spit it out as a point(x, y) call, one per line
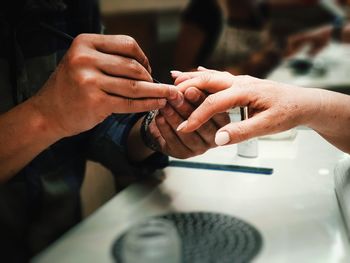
point(146, 137)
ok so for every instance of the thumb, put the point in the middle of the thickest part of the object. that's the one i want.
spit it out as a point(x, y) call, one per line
point(236, 132)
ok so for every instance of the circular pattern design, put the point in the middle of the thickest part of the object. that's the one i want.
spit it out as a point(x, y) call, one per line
point(210, 237)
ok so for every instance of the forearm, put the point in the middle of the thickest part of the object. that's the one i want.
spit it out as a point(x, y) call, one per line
point(24, 133)
point(332, 119)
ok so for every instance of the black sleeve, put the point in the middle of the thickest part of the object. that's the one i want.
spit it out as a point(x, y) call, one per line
point(108, 146)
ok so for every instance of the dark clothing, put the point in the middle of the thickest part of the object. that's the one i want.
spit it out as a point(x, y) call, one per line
point(206, 14)
point(42, 201)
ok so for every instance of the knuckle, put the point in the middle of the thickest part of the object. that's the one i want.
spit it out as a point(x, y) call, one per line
point(165, 90)
point(129, 42)
point(81, 38)
point(129, 103)
point(205, 78)
point(78, 59)
point(134, 66)
point(210, 100)
point(241, 133)
point(133, 87)
point(244, 78)
point(86, 80)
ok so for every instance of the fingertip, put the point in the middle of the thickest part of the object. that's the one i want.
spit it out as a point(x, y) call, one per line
point(192, 95)
point(175, 73)
point(181, 79)
point(173, 92)
point(201, 68)
point(187, 126)
point(182, 126)
point(222, 138)
point(178, 101)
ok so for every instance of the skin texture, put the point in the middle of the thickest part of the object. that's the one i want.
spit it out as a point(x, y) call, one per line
point(99, 75)
point(185, 145)
point(273, 107)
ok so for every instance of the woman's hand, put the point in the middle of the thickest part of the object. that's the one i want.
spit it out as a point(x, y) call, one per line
point(273, 107)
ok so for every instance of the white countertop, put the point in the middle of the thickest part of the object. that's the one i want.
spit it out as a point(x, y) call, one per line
point(295, 208)
point(335, 58)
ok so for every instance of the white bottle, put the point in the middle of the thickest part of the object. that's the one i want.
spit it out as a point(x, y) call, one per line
point(248, 148)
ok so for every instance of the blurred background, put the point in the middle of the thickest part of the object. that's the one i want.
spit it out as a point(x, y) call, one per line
point(242, 37)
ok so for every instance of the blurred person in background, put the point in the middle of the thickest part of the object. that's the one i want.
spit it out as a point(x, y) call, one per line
point(318, 38)
point(242, 37)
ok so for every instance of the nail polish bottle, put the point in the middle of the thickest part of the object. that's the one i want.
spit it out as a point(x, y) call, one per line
point(248, 148)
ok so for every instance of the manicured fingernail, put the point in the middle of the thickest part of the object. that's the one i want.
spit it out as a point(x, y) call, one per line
point(191, 95)
point(175, 73)
point(173, 92)
point(178, 101)
point(222, 138)
point(201, 68)
point(182, 126)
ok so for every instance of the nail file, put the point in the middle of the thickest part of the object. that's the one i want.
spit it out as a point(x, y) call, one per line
point(221, 167)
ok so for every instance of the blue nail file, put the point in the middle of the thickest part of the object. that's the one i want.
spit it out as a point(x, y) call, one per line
point(222, 167)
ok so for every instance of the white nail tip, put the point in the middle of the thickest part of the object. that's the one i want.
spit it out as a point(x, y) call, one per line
point(181, 126)
point(222, 138)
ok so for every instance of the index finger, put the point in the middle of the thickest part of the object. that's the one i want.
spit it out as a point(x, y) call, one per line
point(215, 103)
point(209, 81)
point(119, 45)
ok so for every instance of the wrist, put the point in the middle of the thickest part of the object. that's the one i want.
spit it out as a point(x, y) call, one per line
point(316, 104)
point(43, 123)
point(146, 137)
point(137, 149)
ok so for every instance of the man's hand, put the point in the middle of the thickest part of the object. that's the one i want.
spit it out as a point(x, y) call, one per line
point(317, 39)
point(185, 145)
point(99, 75)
